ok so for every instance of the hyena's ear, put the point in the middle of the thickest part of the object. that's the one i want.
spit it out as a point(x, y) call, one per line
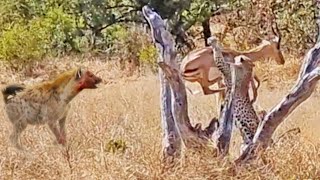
point(78, 74)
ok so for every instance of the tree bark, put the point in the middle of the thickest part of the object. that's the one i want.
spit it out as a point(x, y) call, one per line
point(191, 136)
point(171, 140)
point(206, 30)
point(223, 135)
point(174, 107)
point(302, 90)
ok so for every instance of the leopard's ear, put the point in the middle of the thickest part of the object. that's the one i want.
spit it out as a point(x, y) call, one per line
point(78, 74)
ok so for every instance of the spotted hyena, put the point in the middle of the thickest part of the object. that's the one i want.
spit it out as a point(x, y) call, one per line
point(45, 103)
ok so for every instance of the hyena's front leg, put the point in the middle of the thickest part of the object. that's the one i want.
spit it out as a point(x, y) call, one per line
point(62, 121)
point(62, 139)
point(53, 127)
point(17, 130)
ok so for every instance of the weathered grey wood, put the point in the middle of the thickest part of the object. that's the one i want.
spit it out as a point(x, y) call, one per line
point(302, 90)
point(174, 105)
point(171, 140)
point(192, 136)
point(223, 135)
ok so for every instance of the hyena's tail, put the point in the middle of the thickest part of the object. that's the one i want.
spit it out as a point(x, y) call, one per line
point(11, 90)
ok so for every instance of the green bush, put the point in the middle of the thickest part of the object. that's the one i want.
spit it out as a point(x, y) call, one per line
point(61, 28)
point(246, 27)
point(31, 29)
point(111, 37)
point(20, 44)
point(135, 46)
point(148, 56)
point(296, 19)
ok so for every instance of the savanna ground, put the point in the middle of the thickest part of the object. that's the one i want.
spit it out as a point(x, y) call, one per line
point(114, 132)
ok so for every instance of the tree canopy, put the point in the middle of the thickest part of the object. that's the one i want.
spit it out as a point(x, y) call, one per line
point(32, 29)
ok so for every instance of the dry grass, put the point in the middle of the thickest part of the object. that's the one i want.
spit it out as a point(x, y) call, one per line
point(128, 111)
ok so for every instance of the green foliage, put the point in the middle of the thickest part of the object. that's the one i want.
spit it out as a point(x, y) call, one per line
point(22, 44)
point(95, 16)
point(32, 29)
point(134, 46)
point(26, 41)
point(199, 11)
point(250, 23)
point(168, 9)
point(111, 36)
point(60, 28)
point(296, 20)
point(148, 56)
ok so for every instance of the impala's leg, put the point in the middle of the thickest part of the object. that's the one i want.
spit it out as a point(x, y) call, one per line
point(255, 77)
point(193, 92)
point(207, 90)
point(205, 83)
point(255, 88)
point(218, 79)
point(220, 97)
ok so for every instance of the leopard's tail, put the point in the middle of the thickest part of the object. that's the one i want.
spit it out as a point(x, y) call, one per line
point(11, 90)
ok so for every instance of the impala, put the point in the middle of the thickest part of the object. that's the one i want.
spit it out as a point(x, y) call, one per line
point(198, 65)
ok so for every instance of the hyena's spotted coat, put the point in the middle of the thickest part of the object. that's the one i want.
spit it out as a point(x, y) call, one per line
point(45, 103)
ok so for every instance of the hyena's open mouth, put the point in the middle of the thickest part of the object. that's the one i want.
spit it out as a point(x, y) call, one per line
point(97, 81)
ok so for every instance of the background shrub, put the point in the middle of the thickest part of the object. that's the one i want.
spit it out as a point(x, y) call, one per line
point(33, 29)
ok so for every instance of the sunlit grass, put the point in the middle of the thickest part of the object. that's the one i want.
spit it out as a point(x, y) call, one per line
point(114, 132)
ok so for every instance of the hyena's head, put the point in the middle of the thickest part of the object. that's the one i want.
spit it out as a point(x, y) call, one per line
point(86, 80)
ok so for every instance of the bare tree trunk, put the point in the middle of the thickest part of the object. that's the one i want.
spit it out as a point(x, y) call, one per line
point(191, 136)
point(171, 140)
point(302, 90)
point(223, 135)
point(206, 30)
point(174, 106)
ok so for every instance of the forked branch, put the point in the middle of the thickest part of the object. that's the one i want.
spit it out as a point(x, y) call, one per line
point(190, 135)
point(174, 111)
point(302, 90)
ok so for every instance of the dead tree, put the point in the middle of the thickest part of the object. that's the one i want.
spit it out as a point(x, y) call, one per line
point(174, 110)
point(190, 135)
point(171, 140)
point(301, 91)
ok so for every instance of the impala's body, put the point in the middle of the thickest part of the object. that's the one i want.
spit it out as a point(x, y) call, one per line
point(199, 66)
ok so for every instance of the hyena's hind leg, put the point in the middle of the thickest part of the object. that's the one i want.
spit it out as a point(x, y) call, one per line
point(17, 130)
point(62, 139)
